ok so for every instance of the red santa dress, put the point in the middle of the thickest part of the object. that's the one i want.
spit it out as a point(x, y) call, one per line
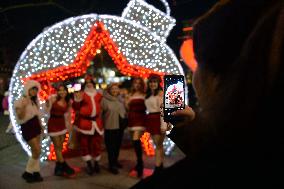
point(136, 113)
point(154, 121)
point(57, 121)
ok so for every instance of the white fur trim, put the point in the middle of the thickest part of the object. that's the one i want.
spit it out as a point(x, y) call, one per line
point(57, 133)
point(92, 131)
point(92, 96)
point(31, 110)
point(137, 97)
point(37, 166)
point(94, 124)
point(86, 132)
point(90, 92)
point(30, 84)
point(136, 128)
point(87, 157)
point(29, 166)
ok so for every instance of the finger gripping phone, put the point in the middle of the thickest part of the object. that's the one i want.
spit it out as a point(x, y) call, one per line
point(174, 96)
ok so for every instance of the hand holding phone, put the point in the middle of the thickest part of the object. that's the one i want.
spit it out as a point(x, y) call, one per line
point(174, 97)
point(187, 115)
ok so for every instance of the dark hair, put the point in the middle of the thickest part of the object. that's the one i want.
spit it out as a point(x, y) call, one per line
point(109, 87)
point(243, 120)
point(88, 79)
point(132, 90)
point(34, 99)
point(231, 32)
point(153, 78)
point(240, 134)
point(68, 97)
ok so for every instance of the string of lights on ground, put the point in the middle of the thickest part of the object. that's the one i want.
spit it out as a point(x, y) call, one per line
point(135, 41)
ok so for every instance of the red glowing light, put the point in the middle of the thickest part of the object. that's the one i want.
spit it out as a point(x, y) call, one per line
point(187, 54)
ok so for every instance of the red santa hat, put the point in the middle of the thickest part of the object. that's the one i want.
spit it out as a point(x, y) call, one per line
point(90, 78)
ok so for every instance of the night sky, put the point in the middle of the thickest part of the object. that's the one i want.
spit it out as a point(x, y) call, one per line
point(22, 20)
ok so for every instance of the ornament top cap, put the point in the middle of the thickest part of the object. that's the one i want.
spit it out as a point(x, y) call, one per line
point(150, 17)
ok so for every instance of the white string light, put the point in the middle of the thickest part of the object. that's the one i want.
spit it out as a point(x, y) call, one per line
point(147, 15)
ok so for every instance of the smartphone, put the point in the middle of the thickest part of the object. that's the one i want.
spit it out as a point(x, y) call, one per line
point(174, 96)
point(77, 87)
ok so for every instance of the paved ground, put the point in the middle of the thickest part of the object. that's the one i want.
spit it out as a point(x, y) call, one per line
point(13, 160)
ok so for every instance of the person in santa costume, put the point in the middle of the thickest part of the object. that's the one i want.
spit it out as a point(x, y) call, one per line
point(135, 103)
point(28, 117)
point(155, 123)
point(89, 124)
point(59, 106)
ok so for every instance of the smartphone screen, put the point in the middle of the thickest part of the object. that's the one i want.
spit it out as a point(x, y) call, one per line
point(174, 95)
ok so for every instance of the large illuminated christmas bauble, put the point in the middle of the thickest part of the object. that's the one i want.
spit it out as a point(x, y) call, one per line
point(136, 41)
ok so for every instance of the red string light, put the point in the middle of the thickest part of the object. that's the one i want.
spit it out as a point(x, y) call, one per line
point(147, 145)
point(52, 154)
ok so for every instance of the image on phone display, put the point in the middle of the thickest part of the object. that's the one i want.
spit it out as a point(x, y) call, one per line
point(174, 95)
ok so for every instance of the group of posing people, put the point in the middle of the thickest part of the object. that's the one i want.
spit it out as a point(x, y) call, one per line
point(97, 116)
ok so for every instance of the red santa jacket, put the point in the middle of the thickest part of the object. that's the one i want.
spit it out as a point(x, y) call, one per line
point(89, 113)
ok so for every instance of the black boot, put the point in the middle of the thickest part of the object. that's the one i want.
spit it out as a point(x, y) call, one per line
point(158, 169)
point(97, 168)
point(113, 170)
point(37, 177)
point(118, 165)
point(139, 168)
point(89, 169)
point(67, 169)
point(138, 150)
point(28, 177)
point(58, 171)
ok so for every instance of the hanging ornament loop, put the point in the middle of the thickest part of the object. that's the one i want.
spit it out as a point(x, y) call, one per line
point(166, 4)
